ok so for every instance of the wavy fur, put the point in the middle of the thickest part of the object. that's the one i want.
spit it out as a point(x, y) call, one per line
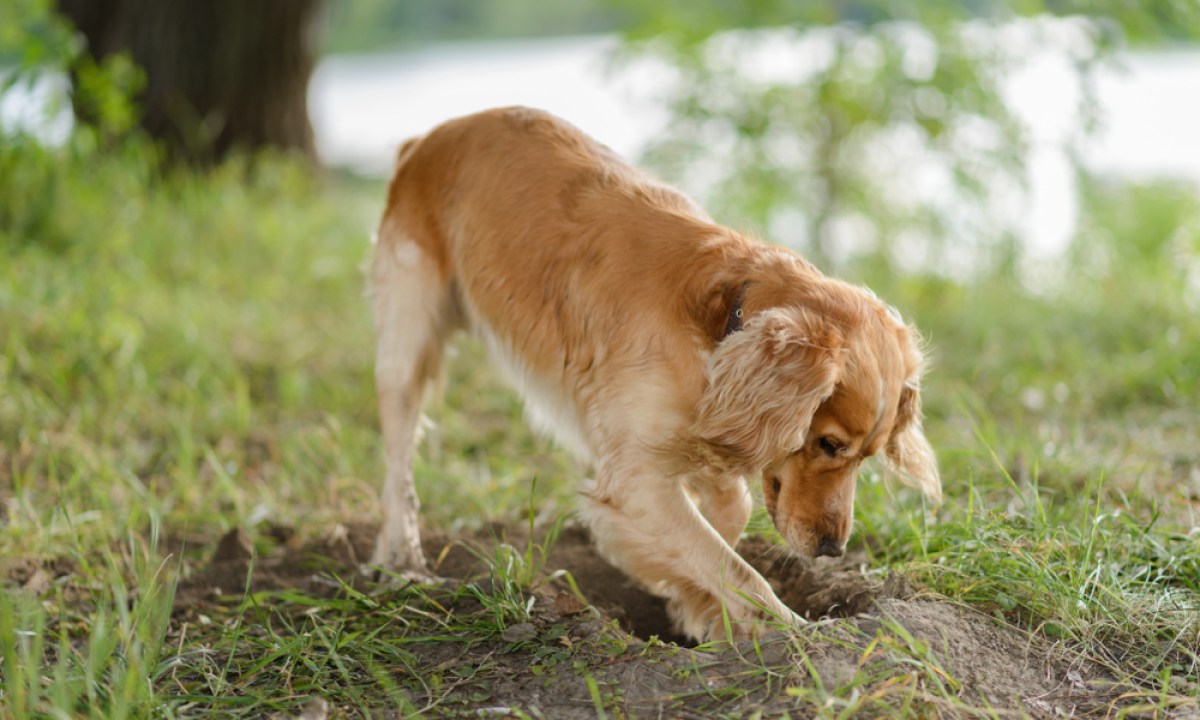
point(674, 355)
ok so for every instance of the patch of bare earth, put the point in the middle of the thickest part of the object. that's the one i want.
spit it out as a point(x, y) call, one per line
point(947, 657)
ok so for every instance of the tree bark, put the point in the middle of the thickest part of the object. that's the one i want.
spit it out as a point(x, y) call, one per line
point(220, 75)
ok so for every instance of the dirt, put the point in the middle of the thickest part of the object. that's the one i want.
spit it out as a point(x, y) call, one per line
point(863, 626)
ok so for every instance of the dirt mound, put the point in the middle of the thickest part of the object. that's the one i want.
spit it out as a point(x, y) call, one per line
point(864, 626)
point(814, 588)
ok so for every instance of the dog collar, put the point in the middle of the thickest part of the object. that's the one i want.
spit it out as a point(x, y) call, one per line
point(734, 322)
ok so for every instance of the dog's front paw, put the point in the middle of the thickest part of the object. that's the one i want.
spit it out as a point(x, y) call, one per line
point(696, 616)
point(704, 619)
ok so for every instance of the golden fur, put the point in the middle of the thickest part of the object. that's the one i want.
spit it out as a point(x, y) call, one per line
point(674, 355)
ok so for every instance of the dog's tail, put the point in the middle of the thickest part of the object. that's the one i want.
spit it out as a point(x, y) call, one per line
point(402, 154)
point(406, 149)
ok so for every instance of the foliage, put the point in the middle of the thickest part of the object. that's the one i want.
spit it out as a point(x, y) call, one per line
point(43, 43)
point(35, 180)
point(872, 128)
point(359, 25)
point(690, 22)
point(31, 35)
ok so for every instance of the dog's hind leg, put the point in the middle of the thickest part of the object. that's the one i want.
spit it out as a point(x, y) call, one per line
point(412, 311)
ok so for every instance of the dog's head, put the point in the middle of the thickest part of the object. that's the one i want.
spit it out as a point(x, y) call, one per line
point(804, 392)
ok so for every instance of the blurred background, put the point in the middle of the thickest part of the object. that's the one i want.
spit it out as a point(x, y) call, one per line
point(837, 127)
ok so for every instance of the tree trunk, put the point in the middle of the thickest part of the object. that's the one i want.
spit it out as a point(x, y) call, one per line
point(221, 75)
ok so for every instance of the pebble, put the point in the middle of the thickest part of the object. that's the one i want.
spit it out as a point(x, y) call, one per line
point(519, 633)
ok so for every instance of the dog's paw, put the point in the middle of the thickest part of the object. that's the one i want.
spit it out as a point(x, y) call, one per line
point(691, 618)
point(401, 576)
point(784, 621)
point(705, 620)
point(404, 564)
point(399, 554)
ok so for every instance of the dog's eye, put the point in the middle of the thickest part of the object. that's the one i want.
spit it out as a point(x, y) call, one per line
point(829, 446)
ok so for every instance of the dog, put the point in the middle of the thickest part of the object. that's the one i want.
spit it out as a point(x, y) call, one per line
point(675, 356)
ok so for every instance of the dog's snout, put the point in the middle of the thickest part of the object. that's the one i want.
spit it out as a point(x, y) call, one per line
point(829, 547)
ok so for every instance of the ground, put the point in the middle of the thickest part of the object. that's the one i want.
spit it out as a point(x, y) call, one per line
point(599, 644)
point(190, 462)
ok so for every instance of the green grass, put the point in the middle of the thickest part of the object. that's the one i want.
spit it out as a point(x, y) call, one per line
point(91, 648)
point(183, 355)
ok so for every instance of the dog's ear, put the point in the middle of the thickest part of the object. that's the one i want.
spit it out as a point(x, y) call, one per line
point(908, 453)
point(765, 383)
point(721, 313)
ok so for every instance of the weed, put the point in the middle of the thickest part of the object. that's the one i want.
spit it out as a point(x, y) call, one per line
point(100, 655)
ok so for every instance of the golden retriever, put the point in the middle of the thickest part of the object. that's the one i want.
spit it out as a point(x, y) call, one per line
point(675, 356)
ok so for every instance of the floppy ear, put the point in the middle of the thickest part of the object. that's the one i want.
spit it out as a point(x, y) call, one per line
point(765, 382)
point(908, 453)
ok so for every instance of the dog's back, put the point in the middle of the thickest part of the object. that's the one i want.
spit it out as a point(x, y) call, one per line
point(579, 272)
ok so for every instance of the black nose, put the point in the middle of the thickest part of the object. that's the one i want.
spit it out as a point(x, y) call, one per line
point(829, 547)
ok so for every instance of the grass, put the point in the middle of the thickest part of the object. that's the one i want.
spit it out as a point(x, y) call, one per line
point(89, 649)
point(183, 355)
point(910, 684)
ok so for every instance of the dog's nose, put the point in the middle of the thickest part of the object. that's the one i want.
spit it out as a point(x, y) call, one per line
point(829, 548)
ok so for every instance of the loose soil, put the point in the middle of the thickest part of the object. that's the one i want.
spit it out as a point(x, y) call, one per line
point(862, 624)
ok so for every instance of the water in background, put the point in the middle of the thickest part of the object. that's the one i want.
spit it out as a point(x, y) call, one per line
point(363, 106)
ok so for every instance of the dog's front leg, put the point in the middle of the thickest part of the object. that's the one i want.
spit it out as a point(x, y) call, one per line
point(725, 503)
point(646, 525)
